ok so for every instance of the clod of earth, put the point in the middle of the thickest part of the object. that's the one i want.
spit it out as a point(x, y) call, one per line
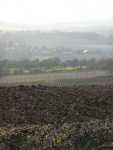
point(27, 105)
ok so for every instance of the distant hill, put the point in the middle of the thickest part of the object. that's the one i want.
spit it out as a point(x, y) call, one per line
point(100, 25)
point(15, 26)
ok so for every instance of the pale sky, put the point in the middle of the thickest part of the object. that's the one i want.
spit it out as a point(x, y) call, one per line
point(52, 11)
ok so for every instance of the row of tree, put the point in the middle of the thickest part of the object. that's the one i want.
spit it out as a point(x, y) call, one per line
point(102, 63)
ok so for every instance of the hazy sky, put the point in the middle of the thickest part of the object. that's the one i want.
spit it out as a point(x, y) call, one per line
point(52, 11)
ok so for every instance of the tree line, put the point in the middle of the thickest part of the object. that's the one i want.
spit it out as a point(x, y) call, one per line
point(19, 36)
point(36, 65)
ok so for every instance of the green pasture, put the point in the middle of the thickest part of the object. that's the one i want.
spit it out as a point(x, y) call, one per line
point(24, 70)
point(62, 68)
point(70, 67)
point(41, 57)
point(44, 69)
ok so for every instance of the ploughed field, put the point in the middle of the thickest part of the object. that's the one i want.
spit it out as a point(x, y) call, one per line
point(29, 105)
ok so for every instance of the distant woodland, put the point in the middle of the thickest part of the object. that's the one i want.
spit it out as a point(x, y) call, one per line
point(19, 36)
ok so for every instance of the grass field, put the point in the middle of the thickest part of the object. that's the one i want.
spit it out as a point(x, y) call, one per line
point(99, 46)
point(45, 69)
point(67, 42)
point(41, 57)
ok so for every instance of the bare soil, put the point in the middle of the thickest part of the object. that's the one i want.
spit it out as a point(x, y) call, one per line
point(32, 105)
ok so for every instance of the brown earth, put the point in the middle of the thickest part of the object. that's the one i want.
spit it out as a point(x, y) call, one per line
point(29, 105)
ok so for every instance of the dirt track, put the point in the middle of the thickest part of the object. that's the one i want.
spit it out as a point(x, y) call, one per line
point(27, 105)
